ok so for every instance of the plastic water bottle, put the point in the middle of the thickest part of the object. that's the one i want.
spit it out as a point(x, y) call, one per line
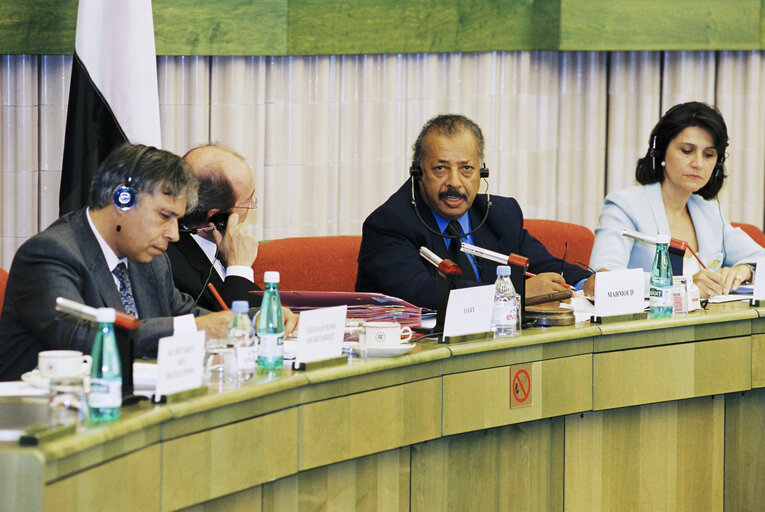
point(241, 336)
point(105, 398)
point(661, 280)
point(269, 324)
point(504, 320)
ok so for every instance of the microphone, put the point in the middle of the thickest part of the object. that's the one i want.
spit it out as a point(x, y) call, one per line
point(675, 245)
point(502, 259)
point(446, 266)
point(88, 313)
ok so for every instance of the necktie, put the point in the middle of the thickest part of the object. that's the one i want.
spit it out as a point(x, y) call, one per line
point(457, 256)
point(126, 290)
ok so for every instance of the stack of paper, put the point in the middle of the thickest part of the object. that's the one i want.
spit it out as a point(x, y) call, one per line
point(366, 306)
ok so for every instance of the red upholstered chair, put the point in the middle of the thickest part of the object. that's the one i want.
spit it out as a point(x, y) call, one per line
point(3, 280)
point(315, 263)
point(751, 230)
point(554, 234)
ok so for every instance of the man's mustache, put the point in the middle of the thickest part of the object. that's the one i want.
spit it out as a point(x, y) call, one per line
point(452, 192)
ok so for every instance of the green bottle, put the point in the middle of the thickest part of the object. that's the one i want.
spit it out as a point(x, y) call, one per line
point(105, 397)
point(269, 326)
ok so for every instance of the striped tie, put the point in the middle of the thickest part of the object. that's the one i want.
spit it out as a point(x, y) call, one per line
point(126, 290)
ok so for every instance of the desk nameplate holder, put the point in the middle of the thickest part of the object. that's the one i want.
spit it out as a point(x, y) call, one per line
point(612, 319)
point(320, 364)
point(181, 396)
point(462, 338)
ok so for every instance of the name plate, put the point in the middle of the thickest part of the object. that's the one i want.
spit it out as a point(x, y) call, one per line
point(758, 293)
point(469, 311)
point(180, 362)
point(320, 334)
point(619, 292)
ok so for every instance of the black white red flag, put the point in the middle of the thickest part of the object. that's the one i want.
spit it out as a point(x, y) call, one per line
point(113, 96)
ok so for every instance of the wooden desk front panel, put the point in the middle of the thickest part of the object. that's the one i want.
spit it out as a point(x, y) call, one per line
point(213, 463)
point(515, 468)
point(128, 483)
point(481, 399)
point(672, 372)
point(353, 426)
point(666, 456)
point(758, 361)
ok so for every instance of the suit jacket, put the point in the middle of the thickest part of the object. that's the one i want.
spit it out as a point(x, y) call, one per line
point(65, 260)
point(191, 269)
point(642, 208)
point(389, 259)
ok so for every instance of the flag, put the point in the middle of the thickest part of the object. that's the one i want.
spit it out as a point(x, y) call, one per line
point(113, 96)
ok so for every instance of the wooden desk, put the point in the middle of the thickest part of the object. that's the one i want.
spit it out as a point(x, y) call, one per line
point(647, 415)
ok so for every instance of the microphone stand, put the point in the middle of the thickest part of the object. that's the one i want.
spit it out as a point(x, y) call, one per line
point(448, 274)
point(126, 329)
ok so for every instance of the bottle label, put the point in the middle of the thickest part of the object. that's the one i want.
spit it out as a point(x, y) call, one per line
point(661, 297)
point(271, 345)
point(105, 393)
point(505, 315)
point(246, 356)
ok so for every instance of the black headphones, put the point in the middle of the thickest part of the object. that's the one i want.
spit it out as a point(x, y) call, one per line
point(415, 171)
point(415, 174)
point(717, 174)
point(125, 196)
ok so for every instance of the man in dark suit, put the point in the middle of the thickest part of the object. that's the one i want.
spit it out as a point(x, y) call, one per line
point(107, 255)
point(445, 176)
point(215, 245)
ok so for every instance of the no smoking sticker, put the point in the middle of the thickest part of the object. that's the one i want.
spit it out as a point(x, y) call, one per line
point(520, 386)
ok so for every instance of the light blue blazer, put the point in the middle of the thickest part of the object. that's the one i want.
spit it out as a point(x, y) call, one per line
point(642, 208)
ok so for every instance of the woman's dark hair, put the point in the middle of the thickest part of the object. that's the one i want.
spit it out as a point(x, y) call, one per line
point(674, 121)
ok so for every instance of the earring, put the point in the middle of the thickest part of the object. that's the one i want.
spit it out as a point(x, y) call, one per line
point(663, 163)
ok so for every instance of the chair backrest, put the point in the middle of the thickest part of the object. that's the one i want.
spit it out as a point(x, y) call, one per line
point(3, 280)
point(751, 230)
point(554, 234)
point(315, 263)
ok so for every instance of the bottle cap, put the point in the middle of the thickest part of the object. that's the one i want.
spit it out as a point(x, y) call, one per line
point(240, 306)
point(272, 276)
point(662, 239)
point(105, 315)
point(503, 270)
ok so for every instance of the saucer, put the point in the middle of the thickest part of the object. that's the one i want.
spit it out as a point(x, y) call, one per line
point(388, 350)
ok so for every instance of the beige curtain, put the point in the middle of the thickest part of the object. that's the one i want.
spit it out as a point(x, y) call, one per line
point(329, 138)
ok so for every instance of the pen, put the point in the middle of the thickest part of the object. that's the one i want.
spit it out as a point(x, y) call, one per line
point(217, 296)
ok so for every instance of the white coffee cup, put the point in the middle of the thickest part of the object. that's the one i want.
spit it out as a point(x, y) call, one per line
point(379, 334)
point(57, 364)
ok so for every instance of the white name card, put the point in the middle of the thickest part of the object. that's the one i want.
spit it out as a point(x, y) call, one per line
point(619, 292)
point(759, 280)
point(469, 310)
point(180, 362)
point(320, 334)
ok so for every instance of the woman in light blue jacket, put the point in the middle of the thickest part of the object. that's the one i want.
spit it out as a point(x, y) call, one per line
point(680, 176)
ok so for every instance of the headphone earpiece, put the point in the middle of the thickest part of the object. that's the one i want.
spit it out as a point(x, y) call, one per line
point(652, 153)
point(125, 196)
point(719, 171)
point(484, 171)
point(415, 171)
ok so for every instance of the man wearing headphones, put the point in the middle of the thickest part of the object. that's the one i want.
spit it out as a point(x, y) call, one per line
point(109, 254)
point(439, 206)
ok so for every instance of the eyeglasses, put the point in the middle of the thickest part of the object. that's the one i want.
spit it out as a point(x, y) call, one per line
point(252, 204)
